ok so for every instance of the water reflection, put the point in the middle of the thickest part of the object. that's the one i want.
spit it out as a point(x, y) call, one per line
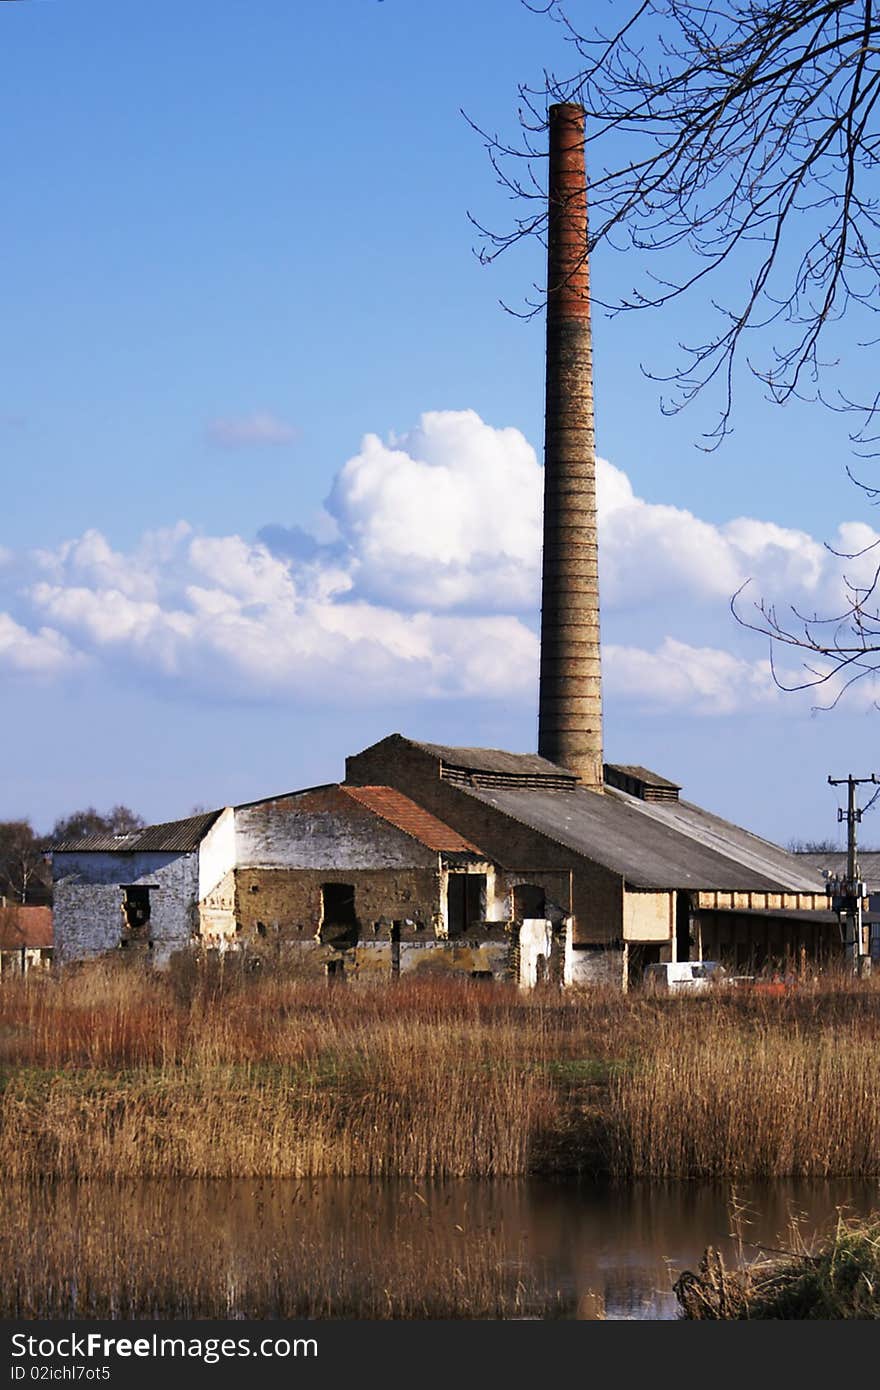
point(589, 1250)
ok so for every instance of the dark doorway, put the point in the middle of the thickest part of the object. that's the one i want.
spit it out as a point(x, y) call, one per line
point(528, 901)
point(135, 912)
point(640, 954)
point(682, 925)
point(339, 923)
point(465, 899)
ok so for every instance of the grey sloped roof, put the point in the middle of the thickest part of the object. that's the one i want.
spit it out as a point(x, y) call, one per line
point(495, 760)
point(171, 836)
point(835, 861)
point(654, 844)
point(751, 851)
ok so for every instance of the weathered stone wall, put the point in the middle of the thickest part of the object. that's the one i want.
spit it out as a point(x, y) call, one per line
point(472, 957)
point(88, 902)
point(323, 829)
point(380, 962)
point(285, 904)
point(597, 966)
point(597, 894)
point(217, 925)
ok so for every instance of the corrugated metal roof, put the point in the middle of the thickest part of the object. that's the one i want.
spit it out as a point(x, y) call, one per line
point(735, 843)
point(835, 862)
point(654, 845)
point(495, 760)
point(405, 815)
point(172, 836)
point(23, 925)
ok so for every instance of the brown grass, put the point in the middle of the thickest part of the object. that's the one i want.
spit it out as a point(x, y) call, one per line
point(208, 1073)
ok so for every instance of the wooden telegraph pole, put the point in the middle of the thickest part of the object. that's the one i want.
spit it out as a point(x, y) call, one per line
point(850, 891)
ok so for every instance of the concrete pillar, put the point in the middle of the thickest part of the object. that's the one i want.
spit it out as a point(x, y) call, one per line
point(570, 713)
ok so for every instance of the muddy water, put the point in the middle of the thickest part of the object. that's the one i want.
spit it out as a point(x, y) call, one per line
point(595, 1250)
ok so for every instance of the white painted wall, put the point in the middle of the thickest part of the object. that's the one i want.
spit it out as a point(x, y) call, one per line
point(87, 914)
point(217, 852)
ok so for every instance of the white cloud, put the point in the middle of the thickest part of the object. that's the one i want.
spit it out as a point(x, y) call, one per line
point(243, 431)
point(675, 675)
point(446, 516)
point(230, 619)
point(45, 652)
point(421, 579)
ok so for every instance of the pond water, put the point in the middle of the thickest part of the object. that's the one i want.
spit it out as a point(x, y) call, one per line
point(410, 1249)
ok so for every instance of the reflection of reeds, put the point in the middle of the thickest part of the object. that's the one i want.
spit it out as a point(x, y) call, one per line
point(211, 1073)
point(83, 1250)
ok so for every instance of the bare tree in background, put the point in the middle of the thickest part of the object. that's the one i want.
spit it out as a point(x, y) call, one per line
point(119, 820)
point(738, 144)
point(24, 873)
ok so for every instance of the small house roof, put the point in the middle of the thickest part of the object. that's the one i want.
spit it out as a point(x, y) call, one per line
point(23, 924)
point(171, 836)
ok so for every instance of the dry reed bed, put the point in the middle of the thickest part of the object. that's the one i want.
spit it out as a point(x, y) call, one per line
point(206, 1073)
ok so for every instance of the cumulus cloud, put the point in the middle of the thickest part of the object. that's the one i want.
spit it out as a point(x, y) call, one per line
point(421, 578)
point(45, 652)
point(226, 617)
point(244, 431)
point(676, 675)
point(446, 516)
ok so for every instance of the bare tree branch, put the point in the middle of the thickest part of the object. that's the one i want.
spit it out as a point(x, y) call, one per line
point(724, 135)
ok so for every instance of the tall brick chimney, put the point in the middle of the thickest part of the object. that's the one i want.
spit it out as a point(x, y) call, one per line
point(570, 704)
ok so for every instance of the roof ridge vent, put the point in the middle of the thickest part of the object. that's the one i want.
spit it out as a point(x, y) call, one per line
point(641, 782)
point(532, 781)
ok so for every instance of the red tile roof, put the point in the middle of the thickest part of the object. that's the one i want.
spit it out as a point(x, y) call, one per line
point(22, 925)
point(398, 810)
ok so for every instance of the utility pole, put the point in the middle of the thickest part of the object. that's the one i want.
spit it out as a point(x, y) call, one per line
point(850, 891)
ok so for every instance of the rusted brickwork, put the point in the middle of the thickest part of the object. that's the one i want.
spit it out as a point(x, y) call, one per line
point(570, 713)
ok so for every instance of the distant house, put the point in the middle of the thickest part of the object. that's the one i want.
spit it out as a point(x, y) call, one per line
point(149, 892)
point(25, 938)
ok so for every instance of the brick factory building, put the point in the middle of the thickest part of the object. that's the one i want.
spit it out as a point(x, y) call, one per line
point(498, 865)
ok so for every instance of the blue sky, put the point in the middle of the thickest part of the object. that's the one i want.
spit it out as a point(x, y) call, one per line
point(235, 248)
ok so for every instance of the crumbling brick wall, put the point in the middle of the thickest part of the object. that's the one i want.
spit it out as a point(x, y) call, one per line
point(285, 904)
point(597, 894)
